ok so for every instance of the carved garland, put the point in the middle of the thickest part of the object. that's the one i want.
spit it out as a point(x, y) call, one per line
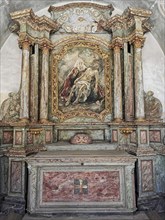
point(54, 79)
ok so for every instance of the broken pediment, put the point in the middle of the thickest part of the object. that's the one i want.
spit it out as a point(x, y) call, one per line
point(78, 18)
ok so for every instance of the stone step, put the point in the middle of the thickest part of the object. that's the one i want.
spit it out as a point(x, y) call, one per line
point(153, 215)
point(11, 216)
point(137, 216)
point(67, 146)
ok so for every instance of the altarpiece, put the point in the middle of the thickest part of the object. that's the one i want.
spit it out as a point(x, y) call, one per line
point(81, 118)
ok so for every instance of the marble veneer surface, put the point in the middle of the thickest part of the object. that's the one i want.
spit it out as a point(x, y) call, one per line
point(107, 153)
point(67, 146)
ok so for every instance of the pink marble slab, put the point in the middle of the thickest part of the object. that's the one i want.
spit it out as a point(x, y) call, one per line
point(96, 186)
point(155, 136)
point(114, 135)
point(29, 138)
point(48, 136)
point(133, 138)
point(16, 176)
point(7, 137)
point(147, 175)
point(143, 137)
point(18, 137)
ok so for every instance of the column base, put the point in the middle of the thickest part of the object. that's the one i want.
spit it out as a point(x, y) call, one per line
point(44, 121)
point(32, 121)
point(131, 119)
point(140, 119)
point(118, 120)
point(24, 120)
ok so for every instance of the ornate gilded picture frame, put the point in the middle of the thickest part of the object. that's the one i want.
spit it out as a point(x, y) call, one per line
point(81, 81)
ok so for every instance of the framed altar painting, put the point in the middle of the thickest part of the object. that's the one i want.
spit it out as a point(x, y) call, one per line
point(81, 81)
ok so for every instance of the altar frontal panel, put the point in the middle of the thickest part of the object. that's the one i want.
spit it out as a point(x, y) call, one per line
point(93, 186)
point(80, 186)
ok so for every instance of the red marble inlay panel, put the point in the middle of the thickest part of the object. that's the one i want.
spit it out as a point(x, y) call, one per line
point(147, 175)
point(114, 136)
point(155, 136)
point(29, 138)
point(143, 137)
point(16, 176)
point(7, 137)
point(101, 186)
point(133, 137)
point(18, 137)
point(48, 136)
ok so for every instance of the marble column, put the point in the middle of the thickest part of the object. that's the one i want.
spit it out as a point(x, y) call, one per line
point(128, 84)
point(44, 85)
point(24, 89)
point(34, 85)
point(118, 109)
point(138, 75)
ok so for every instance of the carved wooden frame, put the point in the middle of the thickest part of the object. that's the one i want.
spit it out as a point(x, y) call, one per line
point(56, 58)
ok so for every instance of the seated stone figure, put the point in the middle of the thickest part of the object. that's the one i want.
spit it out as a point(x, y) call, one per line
point(10, 108)
point(153, 107)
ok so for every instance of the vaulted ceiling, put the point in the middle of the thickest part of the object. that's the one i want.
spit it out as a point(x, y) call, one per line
point(157, 18)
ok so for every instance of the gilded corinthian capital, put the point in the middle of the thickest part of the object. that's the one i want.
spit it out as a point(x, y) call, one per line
point(138, 42)
point(117, 44)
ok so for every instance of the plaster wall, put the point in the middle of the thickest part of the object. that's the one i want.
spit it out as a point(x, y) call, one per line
point(153, 66)
point(10, 67)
